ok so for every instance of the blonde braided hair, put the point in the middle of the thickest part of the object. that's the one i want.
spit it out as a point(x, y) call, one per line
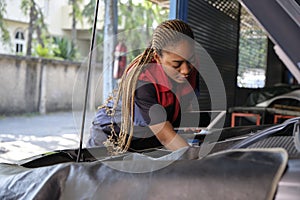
point(166, 33)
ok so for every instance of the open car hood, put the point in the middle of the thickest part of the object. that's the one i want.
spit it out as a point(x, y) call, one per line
point(281, 20)
point(241, 174)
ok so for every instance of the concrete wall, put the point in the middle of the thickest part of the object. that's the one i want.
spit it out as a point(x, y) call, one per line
point(42, 85)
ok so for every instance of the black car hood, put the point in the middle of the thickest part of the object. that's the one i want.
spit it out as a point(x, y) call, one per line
point(242, 174)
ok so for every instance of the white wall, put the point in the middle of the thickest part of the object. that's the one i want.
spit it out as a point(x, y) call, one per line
point(14, 12)
point(43, 85)
point(57, 17)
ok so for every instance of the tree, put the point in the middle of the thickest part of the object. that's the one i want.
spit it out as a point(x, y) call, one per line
point(76, 14)
point(64, 48)
point(3, 29)
point(88, 12)
point(144, 15)
point(109, 43)
point(36, 24)
point(253, 45)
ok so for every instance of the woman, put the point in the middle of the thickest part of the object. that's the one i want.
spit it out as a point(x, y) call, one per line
point(156, 86)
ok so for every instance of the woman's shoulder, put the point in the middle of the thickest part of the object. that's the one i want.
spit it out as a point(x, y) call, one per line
point(152, 70)
point(145, 87)
point(155, 74)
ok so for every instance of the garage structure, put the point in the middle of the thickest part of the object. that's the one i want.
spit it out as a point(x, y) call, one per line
point(222, 28)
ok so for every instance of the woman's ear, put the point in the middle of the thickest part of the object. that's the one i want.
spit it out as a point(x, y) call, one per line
point(156, 57)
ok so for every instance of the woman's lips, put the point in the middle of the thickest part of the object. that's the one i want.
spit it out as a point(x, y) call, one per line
point(182, 78)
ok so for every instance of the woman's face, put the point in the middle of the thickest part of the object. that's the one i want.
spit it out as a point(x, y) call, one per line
point(177, 59)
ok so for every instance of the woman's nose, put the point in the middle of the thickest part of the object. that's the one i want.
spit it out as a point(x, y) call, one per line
point(185, 68)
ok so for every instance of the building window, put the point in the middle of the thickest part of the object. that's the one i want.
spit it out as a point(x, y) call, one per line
point(253, 45)
point(19, 42)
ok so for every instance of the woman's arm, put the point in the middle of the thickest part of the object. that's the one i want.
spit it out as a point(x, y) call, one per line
point(155, 115)
point(167, 136)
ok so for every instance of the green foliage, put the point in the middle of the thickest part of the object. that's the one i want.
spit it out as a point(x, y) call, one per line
point(143, 16)
point(5, 37)
point(26, 5)
point(36, 24)
point(253, 45)
point(75, 6)
point(42, 51)
point(88, 11)
point(59, 48)
point(65, 48)
point(132, 16)
point(46, 50)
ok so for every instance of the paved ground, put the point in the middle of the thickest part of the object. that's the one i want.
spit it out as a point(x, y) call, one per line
point(25, 136)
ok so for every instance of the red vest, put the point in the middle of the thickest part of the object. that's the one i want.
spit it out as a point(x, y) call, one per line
point(165, 91)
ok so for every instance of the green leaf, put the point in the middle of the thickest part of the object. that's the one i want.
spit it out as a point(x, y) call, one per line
point(42, 51)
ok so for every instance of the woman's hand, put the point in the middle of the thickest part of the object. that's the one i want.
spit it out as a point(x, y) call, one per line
point(167, 136)
point(194, 130)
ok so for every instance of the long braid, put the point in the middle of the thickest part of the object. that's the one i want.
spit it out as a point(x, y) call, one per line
point(167, 32)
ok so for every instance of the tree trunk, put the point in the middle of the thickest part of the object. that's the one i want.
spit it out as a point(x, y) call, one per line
point(30, 30)
point(74, 31)
point(39, 36)
point(110, 31)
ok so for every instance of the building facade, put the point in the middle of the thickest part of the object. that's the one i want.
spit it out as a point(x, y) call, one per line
point(58, 19)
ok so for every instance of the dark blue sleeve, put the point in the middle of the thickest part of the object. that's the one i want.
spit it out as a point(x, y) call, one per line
point(147, 109)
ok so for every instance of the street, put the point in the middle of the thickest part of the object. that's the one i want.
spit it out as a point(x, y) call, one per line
point(29, 135)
